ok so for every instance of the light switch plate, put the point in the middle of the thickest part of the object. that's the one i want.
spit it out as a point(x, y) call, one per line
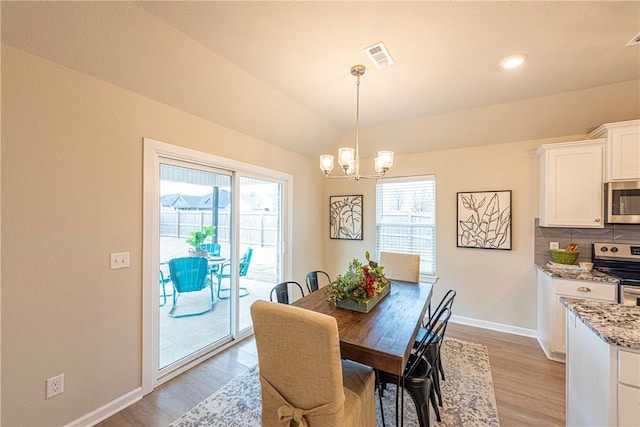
point(554, 245)
point(119, 260)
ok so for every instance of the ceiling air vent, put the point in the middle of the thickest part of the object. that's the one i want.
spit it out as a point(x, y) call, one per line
point(379, 55)
point(635, 40)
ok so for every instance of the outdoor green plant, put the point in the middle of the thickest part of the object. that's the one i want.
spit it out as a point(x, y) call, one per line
point(359, 283)
point(198, 237)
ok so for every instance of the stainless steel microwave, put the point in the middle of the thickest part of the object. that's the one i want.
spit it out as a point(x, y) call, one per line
point(622, 202)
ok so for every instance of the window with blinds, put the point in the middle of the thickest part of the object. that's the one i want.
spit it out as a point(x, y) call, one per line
point(406, 218)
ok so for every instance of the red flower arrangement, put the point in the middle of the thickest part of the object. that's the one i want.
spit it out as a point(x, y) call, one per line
point(359, 283)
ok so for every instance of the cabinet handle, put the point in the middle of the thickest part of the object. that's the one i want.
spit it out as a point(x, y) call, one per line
point(583, 289)
point(597, 219)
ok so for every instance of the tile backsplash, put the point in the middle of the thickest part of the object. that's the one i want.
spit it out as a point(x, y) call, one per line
point(618, 233)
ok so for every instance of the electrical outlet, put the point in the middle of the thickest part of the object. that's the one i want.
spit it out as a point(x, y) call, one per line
point(55, 386)
point(119, 260)
point(554, 245)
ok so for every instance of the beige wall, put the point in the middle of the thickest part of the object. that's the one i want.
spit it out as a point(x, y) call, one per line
point(493, 285)
point(71, 194)
point(71, 189)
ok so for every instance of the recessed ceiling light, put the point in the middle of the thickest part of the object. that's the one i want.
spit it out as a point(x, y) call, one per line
point(514, 61)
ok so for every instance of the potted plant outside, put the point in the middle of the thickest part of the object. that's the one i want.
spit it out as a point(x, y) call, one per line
point(197, 239)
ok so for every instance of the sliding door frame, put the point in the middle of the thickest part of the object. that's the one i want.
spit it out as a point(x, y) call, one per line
point(154, 152)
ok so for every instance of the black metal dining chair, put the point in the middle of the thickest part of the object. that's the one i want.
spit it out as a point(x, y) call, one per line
point(445, 303)
point(281, 291)
point(313, 281)
point(417, 376)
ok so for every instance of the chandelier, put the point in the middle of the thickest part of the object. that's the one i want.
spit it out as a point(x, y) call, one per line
point(348, 158)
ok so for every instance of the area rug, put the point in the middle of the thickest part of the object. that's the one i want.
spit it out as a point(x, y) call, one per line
point(467, 395)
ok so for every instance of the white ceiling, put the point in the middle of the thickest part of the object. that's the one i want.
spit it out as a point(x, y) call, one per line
point(279, 71)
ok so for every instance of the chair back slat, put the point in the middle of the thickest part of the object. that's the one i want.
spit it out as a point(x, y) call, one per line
point(445, 302)
point(313, 282)
point(281, 291)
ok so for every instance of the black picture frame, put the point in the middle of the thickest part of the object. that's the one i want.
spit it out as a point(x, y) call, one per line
point(484, 220)
point(345, 217)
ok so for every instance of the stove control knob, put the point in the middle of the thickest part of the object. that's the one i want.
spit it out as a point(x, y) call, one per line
point(604, 249)
point(614, 249)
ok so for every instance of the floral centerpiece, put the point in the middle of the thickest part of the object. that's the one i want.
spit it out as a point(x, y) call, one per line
point(360, 288)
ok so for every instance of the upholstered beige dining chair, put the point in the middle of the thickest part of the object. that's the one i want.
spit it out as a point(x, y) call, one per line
point(302, 379)
point(399, 266)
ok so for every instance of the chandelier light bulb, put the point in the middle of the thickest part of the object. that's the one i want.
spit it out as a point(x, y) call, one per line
point(326, 163)
point(345, 156)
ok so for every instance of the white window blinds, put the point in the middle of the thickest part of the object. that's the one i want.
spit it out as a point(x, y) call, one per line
point(406, 219)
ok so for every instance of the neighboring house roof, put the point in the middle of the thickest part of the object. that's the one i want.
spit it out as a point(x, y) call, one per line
point(185, 201)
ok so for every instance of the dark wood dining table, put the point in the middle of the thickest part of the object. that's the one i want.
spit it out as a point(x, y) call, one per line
point(383, 337)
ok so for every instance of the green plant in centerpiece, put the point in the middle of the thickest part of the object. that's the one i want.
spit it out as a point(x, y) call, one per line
point(198, 237)
point(359, 283)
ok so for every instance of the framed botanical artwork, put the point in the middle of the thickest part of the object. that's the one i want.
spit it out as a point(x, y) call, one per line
point(345, 217)
point(484, 220)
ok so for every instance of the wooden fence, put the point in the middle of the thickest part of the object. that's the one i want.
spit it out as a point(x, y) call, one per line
point(256, 228)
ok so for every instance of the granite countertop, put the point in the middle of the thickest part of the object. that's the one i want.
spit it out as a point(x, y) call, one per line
point(593, 275)
point(614, 323)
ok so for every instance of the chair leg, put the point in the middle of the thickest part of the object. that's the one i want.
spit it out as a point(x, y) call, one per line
point(380, 393)
point(440, 368)
point(436, 386)
point(398, 386)
point(420, 393)
point(243, 291)
point(432, 398)
point(164, 295)
point(175, 299)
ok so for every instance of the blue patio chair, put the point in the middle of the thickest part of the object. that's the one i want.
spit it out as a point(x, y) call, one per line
point(225, 273)
point(189, 274)
point(163, 281)
point(214, 250)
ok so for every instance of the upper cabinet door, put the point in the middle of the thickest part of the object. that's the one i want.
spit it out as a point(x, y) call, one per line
point(623, 147)
point(623, 150)
point(571, 184)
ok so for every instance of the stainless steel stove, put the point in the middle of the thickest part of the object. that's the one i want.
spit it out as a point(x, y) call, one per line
point(620, 260)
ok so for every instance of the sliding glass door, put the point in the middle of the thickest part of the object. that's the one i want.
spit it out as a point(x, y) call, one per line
point(195, 206)
point(261, 232)
point(216, 234)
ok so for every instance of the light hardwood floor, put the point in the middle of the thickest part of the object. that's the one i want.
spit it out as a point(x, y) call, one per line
point(529, 388)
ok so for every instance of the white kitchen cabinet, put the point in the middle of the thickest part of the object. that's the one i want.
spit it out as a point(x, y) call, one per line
point(588, 378)
point(571, 179)
point(622, 155)
point(552, 317)
point(628, 406)
point(597, 394)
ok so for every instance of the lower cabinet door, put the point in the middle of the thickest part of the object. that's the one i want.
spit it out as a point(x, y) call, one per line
point(628, 406)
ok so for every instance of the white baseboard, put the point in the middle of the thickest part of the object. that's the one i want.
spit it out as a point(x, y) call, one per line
point(500, 327)
point(111, 408)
